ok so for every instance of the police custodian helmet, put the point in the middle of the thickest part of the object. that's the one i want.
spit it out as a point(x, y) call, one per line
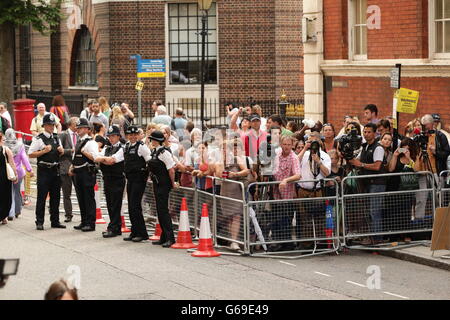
point(132, 129)
point(49, 118)
point(157, 135)
point(83, 123)
point(113, 130)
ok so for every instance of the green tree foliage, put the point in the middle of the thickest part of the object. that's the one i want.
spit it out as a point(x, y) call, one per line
point(43, 15)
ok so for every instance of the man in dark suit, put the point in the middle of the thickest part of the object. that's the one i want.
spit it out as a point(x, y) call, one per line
point(68, 139)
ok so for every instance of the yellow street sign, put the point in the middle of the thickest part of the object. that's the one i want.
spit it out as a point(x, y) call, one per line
point(139, 86)
point(407, 100)
point(151, 74)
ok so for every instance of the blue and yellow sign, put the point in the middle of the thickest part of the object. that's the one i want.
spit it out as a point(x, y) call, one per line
point(151, 68)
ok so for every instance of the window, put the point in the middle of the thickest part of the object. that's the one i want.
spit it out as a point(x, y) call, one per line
point(25, 55)
point(358, 28)
point(442, 26)
point(84, 64)
point(185, 44)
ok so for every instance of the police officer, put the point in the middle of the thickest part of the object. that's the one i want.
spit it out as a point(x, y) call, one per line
point(46, 147)
point(162, 172)
point(112, 165)
point(83, 172)
point(136, 155)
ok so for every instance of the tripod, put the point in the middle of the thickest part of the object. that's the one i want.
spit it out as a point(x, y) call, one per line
point(427, 166)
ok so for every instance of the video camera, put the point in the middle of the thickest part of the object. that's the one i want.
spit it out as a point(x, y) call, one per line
point(349, 143)
point(422, 140)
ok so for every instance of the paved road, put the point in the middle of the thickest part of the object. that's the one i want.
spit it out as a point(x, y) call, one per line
point(115, 269)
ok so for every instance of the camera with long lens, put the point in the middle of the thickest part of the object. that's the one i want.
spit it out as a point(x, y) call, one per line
point(422, 140)
point(349, 143)
point(315, 147)
point(269, 146)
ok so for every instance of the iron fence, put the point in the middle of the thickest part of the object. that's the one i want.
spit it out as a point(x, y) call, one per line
point(215, 113)
point(75, 103)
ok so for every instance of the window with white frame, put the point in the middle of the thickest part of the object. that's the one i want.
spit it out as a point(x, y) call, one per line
point(358, 28)
point(185, 44)
point(441, 21)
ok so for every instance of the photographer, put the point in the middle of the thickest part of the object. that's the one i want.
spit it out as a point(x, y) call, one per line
point(433, 145)
point(315, 164)
point(370, 162)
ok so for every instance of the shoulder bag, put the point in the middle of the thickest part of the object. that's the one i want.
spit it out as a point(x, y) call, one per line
point(9, 170)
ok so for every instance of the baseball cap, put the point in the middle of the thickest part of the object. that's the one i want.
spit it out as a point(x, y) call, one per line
point(254, 116)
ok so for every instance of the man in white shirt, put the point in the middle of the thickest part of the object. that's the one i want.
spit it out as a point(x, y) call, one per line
point(86, 113)
point(36, 124)
point(111, 161)
point(83, 169)
point(46, 147)
point(162, 117)
point(136, 155)
point(162, 172)
point(4, 112)
point(97, 116)
point(370, 162)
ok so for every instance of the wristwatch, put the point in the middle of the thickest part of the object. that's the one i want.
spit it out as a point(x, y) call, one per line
point(363, 165)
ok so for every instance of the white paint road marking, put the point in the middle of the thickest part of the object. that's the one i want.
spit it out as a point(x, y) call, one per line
point(395, 295)
point(322, 274)
point(356, 284)
point(289, 264)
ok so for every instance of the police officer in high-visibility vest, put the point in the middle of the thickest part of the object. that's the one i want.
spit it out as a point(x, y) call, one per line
point(112, 166)
point(84, 178)
point(136, 155)
point(162, 172)
point(46, 147)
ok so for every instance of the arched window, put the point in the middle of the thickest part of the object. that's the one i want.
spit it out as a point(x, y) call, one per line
point(84, 64)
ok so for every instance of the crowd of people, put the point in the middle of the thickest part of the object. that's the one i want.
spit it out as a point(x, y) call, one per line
point(173, 152)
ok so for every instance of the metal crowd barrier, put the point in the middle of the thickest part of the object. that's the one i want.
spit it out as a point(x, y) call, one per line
point(444, 190)
point(252, 217)
point(299, 227)
point(370, 213)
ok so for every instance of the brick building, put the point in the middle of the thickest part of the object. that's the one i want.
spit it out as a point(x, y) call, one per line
point(254, 50)
point(360, 41)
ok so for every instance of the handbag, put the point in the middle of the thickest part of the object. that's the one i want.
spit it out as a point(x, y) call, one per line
point(9, 170)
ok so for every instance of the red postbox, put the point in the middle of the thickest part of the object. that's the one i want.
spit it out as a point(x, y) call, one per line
point(23, 115)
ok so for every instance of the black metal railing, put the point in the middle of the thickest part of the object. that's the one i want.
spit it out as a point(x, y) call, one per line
point(75, 103)
point(215, 113)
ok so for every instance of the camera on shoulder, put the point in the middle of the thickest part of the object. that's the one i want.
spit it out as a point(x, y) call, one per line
point(349, 143)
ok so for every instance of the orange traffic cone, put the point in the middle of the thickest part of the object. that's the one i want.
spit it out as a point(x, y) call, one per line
point(158, 232)
point(205, 246)
point(98, 210)
point(184, 239)
point(124, 228)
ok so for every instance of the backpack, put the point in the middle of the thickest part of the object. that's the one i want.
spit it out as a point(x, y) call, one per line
point(62, 113)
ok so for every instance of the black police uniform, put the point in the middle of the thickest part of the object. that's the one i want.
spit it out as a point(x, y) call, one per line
point(137, 174)
point(162, 184)
point(48, 181)
point(114, 184)
point(84, 182)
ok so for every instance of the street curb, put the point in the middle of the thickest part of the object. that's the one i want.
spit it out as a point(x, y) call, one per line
point(416, 259)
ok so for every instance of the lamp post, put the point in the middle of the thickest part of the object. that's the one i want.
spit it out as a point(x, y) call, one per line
point(204, 6)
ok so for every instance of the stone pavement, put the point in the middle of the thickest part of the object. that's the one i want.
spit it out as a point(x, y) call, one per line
point(423, 255)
